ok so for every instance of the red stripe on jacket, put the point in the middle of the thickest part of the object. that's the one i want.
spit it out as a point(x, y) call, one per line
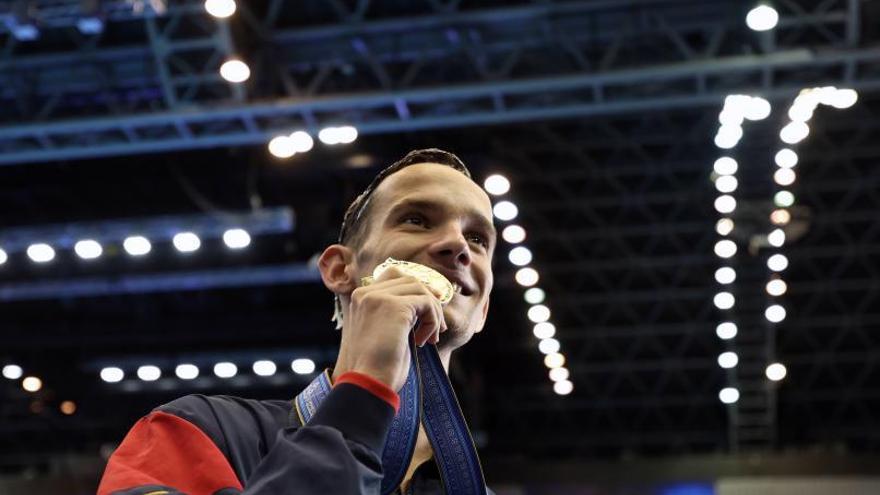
point(163, 449)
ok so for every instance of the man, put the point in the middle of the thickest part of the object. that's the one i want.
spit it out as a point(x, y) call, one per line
point(424, 209)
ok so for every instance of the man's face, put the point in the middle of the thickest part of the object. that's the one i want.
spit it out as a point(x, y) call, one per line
point(434, 215)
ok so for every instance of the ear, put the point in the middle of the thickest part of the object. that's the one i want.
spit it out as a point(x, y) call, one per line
point(335, 267)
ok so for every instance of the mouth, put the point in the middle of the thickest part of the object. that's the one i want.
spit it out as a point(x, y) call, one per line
point(461, 288)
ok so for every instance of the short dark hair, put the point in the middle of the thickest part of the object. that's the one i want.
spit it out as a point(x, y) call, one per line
point(357, 216)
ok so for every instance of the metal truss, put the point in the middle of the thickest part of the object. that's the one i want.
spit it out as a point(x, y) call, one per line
point(537, 60)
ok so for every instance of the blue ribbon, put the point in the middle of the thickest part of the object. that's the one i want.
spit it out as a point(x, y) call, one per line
point(426, 396)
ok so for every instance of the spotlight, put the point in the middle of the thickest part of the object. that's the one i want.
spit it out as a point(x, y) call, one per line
point(559, 374)
point(32, 384)
point(777, 262)
point(301, 141)
point(728, 360)
point(780, 217)
point(514, 234)
point(149, 373)
point(3, 256)
point(724, 226)
point(776, 287)
point(776, 371)
point(505, 210)
point(555, 360)
point(786, 158)
point(776, 238)
point(112, 374)
point(762, 18)
point(186, 371)
point(136, 245)
point(726, 184)
point(40, 253)
point(724, 300)
point(88, 249)
point(302, 366)
point(725, 204)
point(757, 108)
point(794, 132)
point(784, 176)
point(338, 135)
point(539, 313)
point(265, 368)
point(186, 242)
point(236, 238)
point(225, 369)
point(282, 147)
point(496, 184)
point(726, 330)
point(12, 371)
point(563, 387)
point(235, 71)
point(801, 112)
point(774, 313)
point(534, 295)
point(844, 98)
point(68, 407)
point(783, 199)
point(220, 8)
point(548, 346)
point(725, 166)
point(544, 330)
point(725, 248)
point(729, 395)
point(725, 275)
point(520, 256)
point(728, 136)
point(526, 277)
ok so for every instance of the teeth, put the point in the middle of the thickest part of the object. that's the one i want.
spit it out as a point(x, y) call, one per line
point(456, 288)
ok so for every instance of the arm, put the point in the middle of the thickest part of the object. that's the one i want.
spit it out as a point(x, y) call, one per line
point(338, 451)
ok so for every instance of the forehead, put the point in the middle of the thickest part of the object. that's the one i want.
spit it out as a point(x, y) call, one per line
point(435, 181)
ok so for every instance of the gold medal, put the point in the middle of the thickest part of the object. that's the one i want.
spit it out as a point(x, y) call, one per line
point(426, 275)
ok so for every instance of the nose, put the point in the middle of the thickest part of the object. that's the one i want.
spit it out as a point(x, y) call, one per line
point(451, 248)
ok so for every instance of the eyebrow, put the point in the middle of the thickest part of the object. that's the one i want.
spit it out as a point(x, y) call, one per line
point(424, 204)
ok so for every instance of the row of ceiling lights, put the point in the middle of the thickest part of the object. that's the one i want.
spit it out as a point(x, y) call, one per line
point(189, 371)
point(135, 245)
point(526, 276)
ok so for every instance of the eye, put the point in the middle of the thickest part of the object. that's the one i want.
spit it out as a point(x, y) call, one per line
point(479, 239)
point(414, 219)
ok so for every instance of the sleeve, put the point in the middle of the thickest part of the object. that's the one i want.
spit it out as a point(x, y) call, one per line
point(338, 451)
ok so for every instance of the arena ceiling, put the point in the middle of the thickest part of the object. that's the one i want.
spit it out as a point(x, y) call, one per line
point(601, 113)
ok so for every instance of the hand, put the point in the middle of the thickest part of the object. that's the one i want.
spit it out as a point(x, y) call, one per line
point(376, 328)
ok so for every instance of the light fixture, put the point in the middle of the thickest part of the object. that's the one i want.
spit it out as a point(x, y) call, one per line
point(68, 407)
point(186, 242)
point(776, 238)
point(88, 249)
point(725, 204)
point(505, 210)
point(780, 216)
point(555, 360)
point(514, 234)
point(762, 18)
point(534, 295)
point(726, 183)
point(338, 135)
point(774, 313)
point(526, 277)
point(282, 147)
point(728, 360)
point(558, 374)
point(724, 300)
point(783, 199)
point(236, 238)
point(725, 248)
point(725, 166)
point(563, 387)
point(548, 346)
point(777, 262)
point(544, 330)
point(726, 330)
point(728, 395)
point(757, 108)
point(724, 226)
point(32, 384)
point(220, 8)
point(776, 371)
point(844, 98)
point(301, 141)
point(496, 184)
point(40, 253)
point(112, 374)
point(149, 373)
point(264, 368)
point(520, 256)
point(725, 275)
point(235, 71)
point(136, 245)
point(302, 366)
point(225, 369)
point(3, 256)
point(794, 132)
point(776, 287)
point(186, 371)
point(12, 371)
point(784, 176)
point(539, 313)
